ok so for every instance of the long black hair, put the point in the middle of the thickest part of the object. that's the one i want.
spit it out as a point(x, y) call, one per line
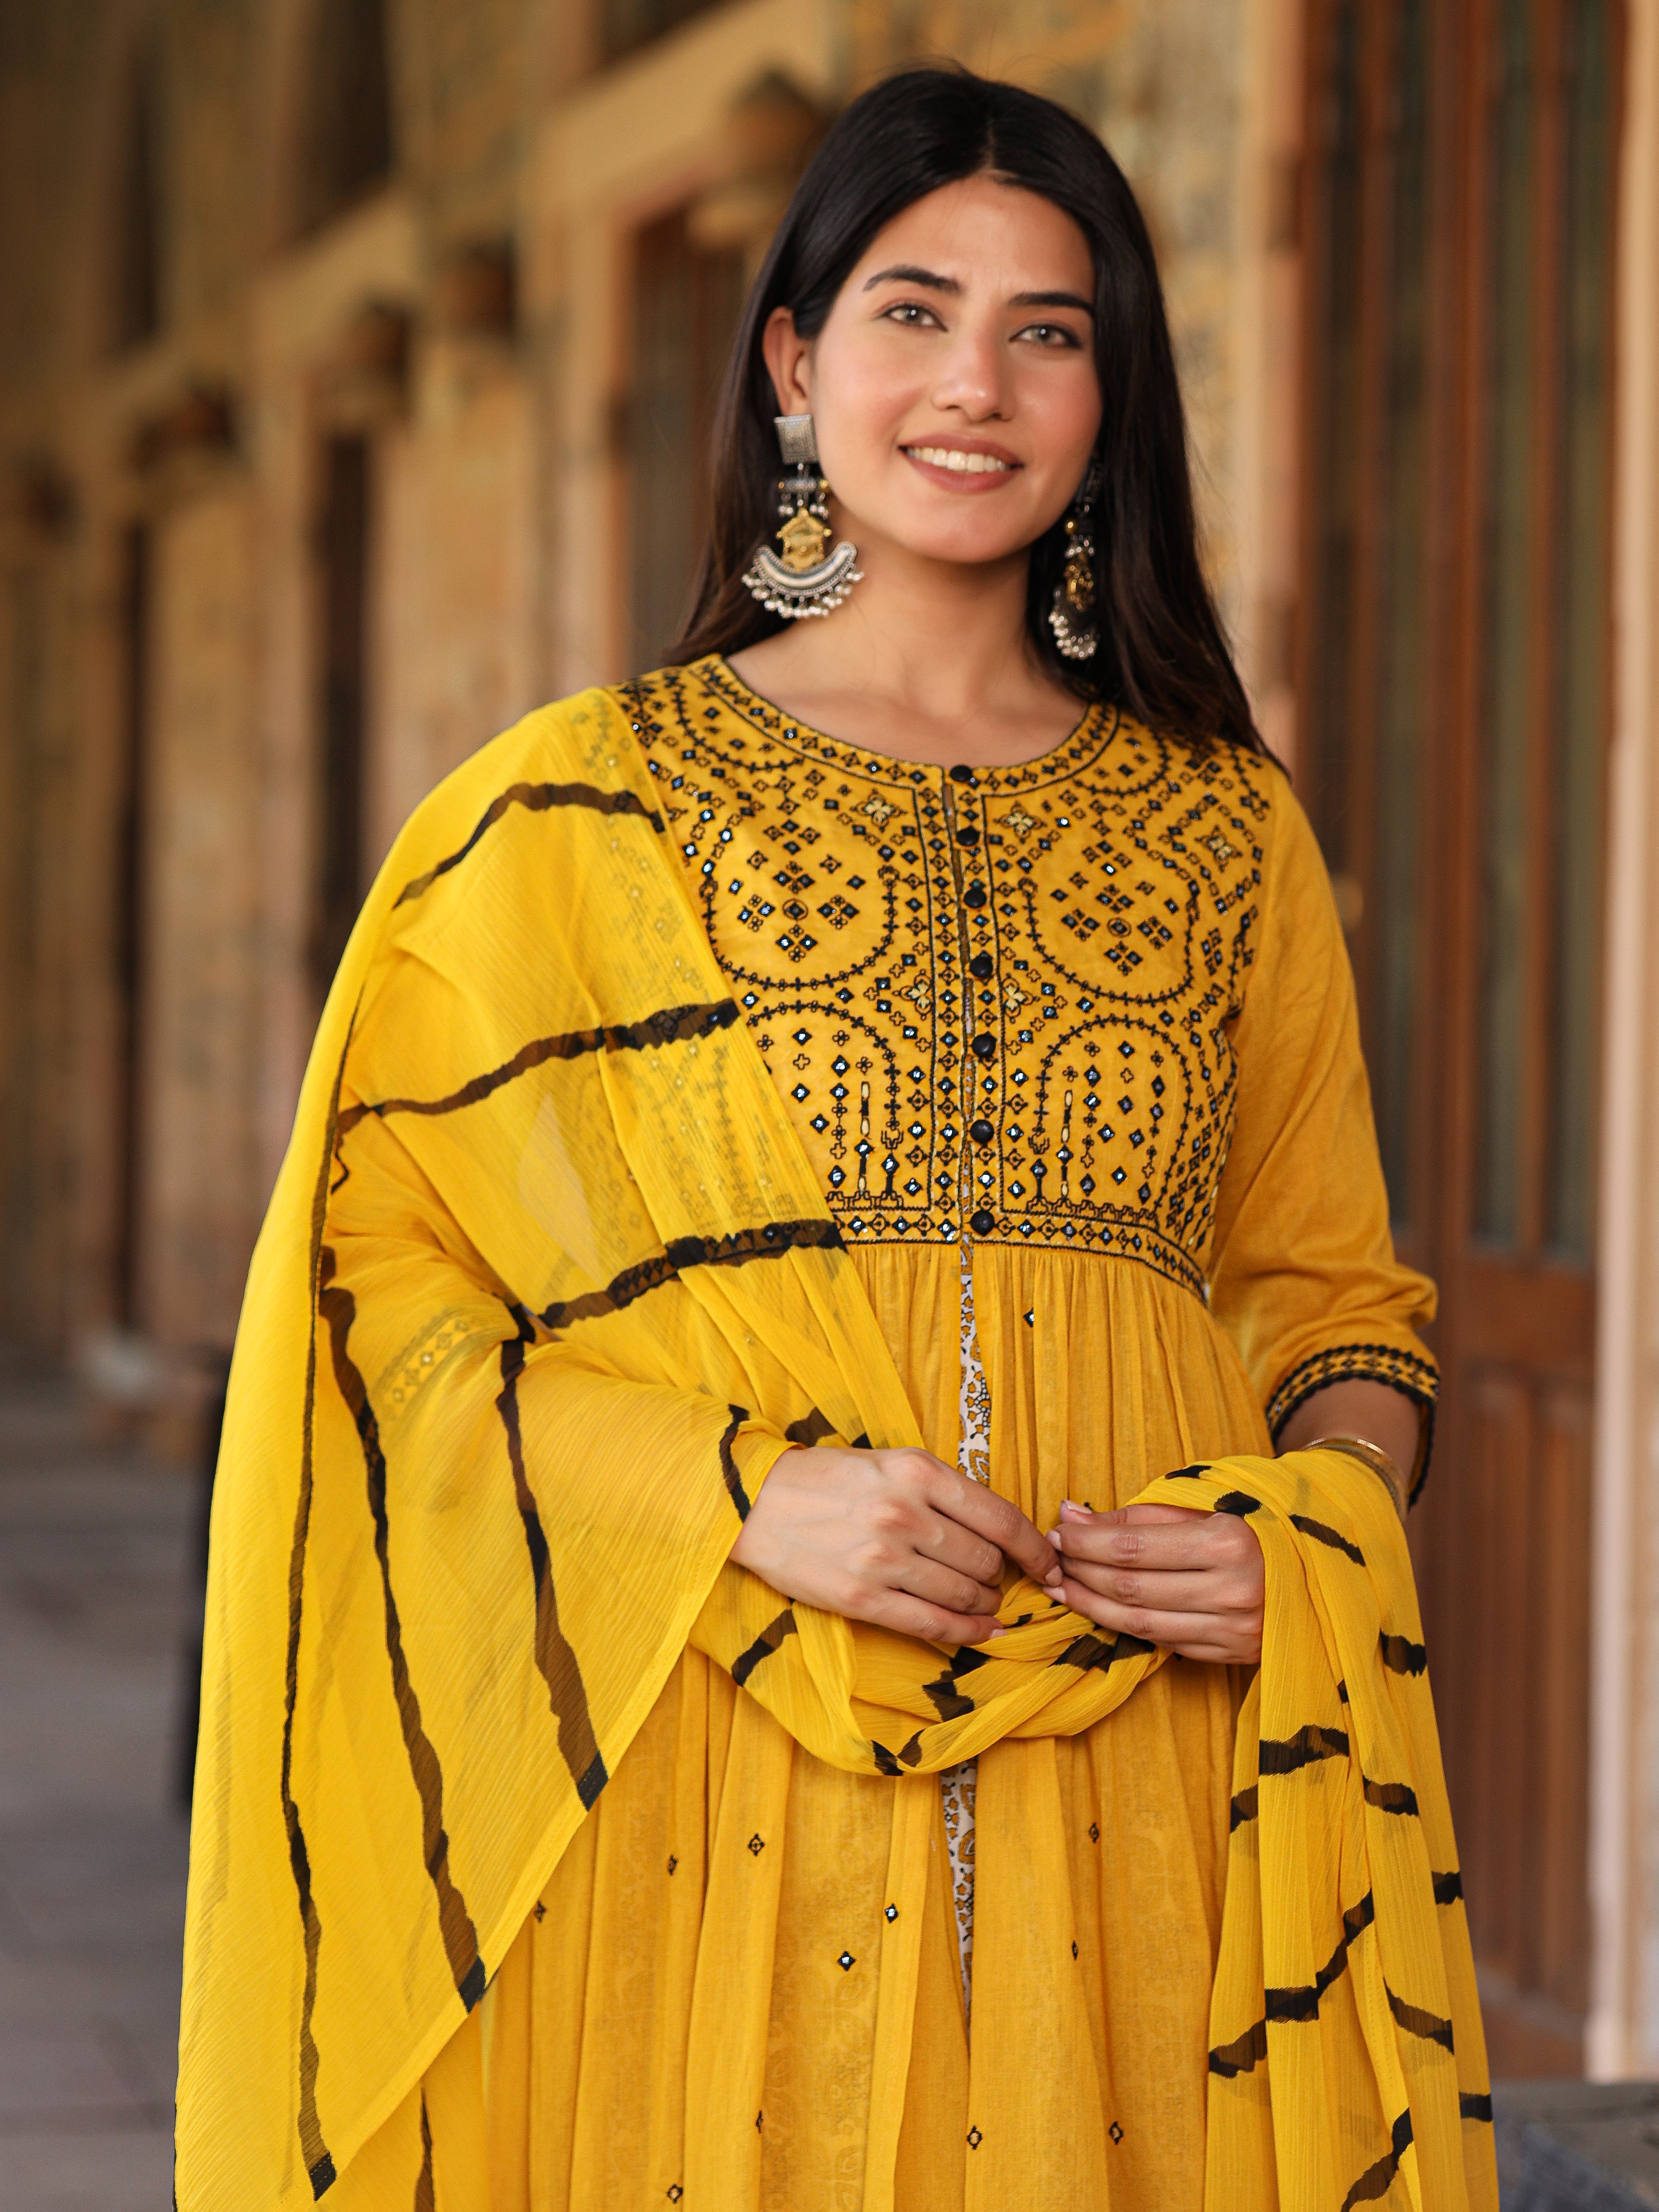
point(1163, 656)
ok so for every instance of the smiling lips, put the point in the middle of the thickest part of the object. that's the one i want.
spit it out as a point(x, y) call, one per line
point(958, 462)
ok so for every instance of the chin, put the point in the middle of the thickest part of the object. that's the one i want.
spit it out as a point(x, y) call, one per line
point(971, 548)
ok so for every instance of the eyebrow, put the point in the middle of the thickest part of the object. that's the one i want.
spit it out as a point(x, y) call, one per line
point(906, 272)
point(1051, 300)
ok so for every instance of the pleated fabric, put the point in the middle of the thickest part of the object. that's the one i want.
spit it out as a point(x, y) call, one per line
point(545, 1288)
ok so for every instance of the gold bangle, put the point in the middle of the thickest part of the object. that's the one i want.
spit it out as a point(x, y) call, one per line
point(1382, 1464)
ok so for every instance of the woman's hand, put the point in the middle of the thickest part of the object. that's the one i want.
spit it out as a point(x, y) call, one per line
point(1192, 1581)
point(894, 1537)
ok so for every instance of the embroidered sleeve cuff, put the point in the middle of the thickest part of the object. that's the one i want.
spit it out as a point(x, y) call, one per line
point(1410, 1372)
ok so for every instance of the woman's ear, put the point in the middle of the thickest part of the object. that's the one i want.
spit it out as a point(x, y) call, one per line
point(789, 358)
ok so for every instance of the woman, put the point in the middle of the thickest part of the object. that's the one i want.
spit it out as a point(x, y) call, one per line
point(797, 1144)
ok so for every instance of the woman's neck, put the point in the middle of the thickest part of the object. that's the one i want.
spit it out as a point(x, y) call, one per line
point(926, 660)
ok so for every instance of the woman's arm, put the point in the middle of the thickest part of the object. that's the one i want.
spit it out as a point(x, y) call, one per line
point(1303, 1273)
point(1373, 1411)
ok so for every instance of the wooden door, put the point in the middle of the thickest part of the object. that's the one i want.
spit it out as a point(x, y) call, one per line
point(1455, 670)
point(687, 300)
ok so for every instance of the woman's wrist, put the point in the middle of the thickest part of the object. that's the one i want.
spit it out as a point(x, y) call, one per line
point(1383, 1464)
point(1378, 1415)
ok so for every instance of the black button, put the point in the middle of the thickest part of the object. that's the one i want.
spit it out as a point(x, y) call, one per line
point(967, 835)
point(980, 966)
point(961, 775)
point(982, 1132)
point(984, 1045)
point(974, 895)
point(983, 1223)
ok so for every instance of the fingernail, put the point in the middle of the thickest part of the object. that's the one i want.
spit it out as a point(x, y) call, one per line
point(998, 1631)
point(1054, 1537)
point(1072, 1506)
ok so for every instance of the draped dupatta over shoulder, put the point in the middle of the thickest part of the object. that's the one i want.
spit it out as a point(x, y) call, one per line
point(542, 1186)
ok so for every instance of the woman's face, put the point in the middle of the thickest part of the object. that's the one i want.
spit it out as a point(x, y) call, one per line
point(953, 387)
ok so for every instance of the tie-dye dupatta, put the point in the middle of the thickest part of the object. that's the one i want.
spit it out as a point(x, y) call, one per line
point(544, 1289)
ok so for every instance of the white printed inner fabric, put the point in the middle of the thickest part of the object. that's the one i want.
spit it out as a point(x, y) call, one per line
point(957, 1783)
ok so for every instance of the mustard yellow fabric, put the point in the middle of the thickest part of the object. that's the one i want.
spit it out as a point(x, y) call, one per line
point(546, 1284)
point(1096, 1004)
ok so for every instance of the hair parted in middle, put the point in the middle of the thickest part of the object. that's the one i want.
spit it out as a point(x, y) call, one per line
point(1162, 655)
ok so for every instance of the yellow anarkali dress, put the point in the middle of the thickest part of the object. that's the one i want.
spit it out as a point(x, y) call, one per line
point(1082, 1029)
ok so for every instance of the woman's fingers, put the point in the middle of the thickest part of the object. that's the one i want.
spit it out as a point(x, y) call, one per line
point(953, 1545)
point(996, 1519)
point(933, 1624)
point(1193, 1541)
point(1201, 1592)
point(935, 1584)
point(1230, 1638)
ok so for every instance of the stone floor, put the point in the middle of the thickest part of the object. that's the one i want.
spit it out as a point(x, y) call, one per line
point(96, 1550)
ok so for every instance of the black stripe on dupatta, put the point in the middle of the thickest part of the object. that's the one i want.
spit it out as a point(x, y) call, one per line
point(729, 1470)
point(1416, 2021)
point(1400, 1655)
point(537, 798)
point(770, 1636)
point(568, 1695)
point(1302, 2003)
point(1304, 1749)
point(319, 2160)
point(1321, 1534)
point(670, 1025)
point(339, 1308)
point(771, 1241)
point(1374, 2182)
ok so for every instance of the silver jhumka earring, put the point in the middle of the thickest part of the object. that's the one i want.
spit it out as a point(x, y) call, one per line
point(1072, 608)
point(802, 581)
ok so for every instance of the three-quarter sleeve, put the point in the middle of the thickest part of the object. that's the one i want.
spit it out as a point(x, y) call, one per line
point(1303, 1274)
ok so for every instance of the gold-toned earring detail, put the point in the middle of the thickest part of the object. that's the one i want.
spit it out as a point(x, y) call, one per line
point(802, 581)
point(1072, 609)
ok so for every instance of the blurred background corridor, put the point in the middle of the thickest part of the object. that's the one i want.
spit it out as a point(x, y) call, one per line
point(356, 358)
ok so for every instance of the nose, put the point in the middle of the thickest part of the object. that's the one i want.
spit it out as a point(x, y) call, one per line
point(972, 378)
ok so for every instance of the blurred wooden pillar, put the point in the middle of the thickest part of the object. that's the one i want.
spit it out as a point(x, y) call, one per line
point(1623, 2035)
point(1456, 690)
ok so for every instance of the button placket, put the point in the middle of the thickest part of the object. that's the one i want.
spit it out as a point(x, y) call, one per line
point(940, 1117)
point(965, 795)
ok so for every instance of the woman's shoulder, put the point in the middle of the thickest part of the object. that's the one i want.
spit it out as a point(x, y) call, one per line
point(577, 753)
point(1201, 784)
point(582, 742)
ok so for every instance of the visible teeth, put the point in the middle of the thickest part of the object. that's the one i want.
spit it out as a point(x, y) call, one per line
point(948, 457)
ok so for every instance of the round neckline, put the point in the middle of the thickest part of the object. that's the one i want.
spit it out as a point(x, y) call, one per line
point(1085, 738)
